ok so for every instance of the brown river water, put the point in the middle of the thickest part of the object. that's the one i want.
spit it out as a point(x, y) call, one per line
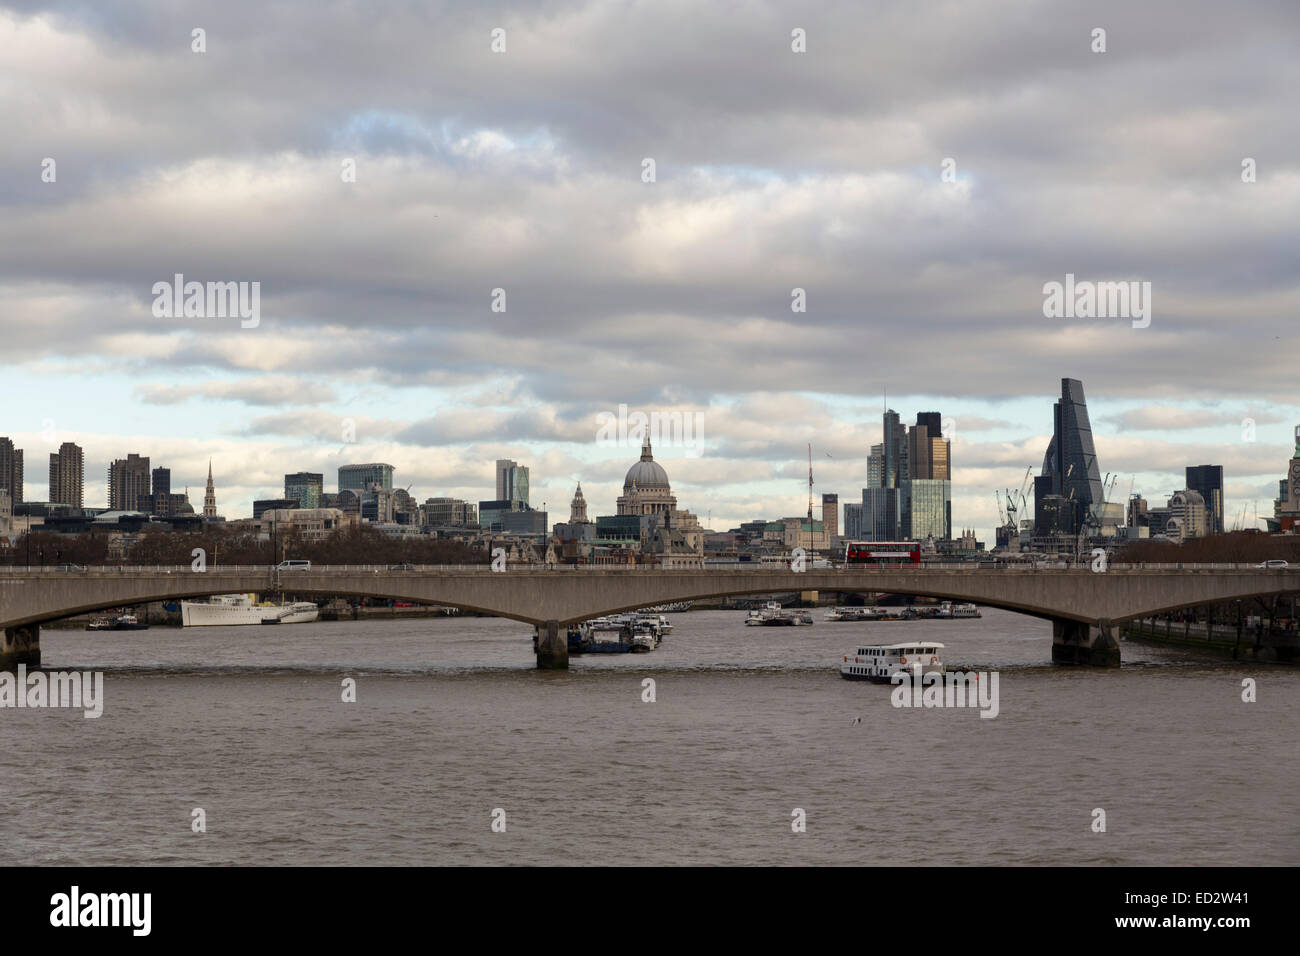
point(452, 722)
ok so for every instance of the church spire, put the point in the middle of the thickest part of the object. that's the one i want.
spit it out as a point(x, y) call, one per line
point(578, 507)
point(209, 496)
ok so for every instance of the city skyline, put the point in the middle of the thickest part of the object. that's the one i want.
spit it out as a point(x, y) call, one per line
point(233, 506)
point(911, 188)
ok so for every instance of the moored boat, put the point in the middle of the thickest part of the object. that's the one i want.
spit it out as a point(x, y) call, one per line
point(122, 622)
point(773, 615)
point(227, 610)
point(643, 642)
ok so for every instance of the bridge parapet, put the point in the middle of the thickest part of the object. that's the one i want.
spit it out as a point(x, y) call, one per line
point(541, 595)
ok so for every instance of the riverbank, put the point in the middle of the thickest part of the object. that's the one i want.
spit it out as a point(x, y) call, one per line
point(1224, 641)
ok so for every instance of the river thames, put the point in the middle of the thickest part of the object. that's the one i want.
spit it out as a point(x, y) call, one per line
point(452, 722)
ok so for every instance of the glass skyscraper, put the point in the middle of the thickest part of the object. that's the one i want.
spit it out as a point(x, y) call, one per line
point(881, 509)
point(512, 481)
point(358, 478)
point(1069, 468)
point(1208, 480)
point(305, 487)
point(931, 508)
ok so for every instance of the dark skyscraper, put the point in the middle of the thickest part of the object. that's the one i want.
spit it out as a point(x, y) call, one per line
point(1071, 467)
point(898, 473)
point(128, 479)
point(932, 422)
point(1208, 480)
point(68, 475)
point(11, 471)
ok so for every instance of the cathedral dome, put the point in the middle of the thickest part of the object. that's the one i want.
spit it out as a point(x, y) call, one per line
point(646, 473)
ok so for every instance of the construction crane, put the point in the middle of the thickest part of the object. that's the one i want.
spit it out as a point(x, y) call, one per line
point(1107, 486)
point(810, 484)
point(1012, 507)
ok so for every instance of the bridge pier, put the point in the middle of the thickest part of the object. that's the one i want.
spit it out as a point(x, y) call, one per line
point(552, 647)
point(1074, 642)
point(20, 645)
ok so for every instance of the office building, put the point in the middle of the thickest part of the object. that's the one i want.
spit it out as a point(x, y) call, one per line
point(876, 467)
point(853, 520)
point(262, 505)
point(11, 471)
point(360, 477)
point(381, 505)
point(524, 522)
point(490, 513)
point(896, 468)
point(831, 514)
point(929, 484)
point(1207, 481)
point(511, 516)
point(512, 481)
point(931, 509)
point(881, 509)
point(1188, 517)
point(68, 475)
point(128, 480)
point(312, 524)
point(1069, 469)
point(1136, 516)
point(304, 487)
point(448, 513)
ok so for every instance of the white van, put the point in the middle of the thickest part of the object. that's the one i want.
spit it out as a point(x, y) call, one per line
point(293, 566)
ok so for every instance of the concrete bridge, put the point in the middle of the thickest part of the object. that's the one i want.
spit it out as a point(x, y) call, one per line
point(1084, 606)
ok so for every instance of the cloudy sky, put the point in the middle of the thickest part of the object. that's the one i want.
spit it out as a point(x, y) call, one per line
point(524, 170)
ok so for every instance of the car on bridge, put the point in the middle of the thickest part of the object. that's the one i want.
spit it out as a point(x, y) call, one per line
point(69, 567)
point(1273, 564)
point(293, 565)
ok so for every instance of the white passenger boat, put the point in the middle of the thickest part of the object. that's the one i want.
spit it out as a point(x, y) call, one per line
point(229, 610)
point(880, 662)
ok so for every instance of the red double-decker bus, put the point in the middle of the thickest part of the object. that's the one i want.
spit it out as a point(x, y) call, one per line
point(883, 554)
